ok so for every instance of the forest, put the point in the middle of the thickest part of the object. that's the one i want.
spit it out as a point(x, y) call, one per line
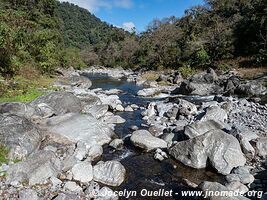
point(46, 34)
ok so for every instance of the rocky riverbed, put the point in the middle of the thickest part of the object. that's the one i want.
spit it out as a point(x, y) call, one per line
point(110, 130)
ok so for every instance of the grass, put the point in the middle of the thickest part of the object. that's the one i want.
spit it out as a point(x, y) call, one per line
point(29, 96)
point(3, 154)
point(151, 75)
point(21, 89)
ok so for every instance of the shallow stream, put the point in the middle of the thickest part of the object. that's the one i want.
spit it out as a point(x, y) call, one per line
point(143, 171)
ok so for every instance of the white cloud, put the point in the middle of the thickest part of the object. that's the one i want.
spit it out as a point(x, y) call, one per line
point(94, 5)
point(128, 26)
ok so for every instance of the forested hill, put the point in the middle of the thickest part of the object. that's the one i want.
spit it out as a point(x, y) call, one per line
point(82, 29)
point(47, 34)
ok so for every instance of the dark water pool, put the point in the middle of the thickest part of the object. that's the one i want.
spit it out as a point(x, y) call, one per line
point(143, 171)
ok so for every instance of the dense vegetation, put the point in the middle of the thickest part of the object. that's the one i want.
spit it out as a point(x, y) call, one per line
point(220, 34)
point(31, 37)
point(46, 34)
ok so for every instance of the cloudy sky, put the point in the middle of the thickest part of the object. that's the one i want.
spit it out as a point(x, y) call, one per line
point(135, 13)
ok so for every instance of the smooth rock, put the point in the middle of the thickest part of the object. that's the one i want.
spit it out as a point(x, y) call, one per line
point(199, 128)
point(119, 108)
point(82, 172)
point(115, 119)
point(215, 113)
point(128, 109)
point(98, 111)
point(60, 102)
point(37, 169)
point(261, 146)
point(109, 173)
point(20, 135)
point(148, 92)
point(78, 127)
point(219, 148)
point(72, 186)
point(17, 108)
point(117, 144)
point(146, 140)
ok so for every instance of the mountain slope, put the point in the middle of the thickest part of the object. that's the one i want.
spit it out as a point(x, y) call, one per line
point(82, 29)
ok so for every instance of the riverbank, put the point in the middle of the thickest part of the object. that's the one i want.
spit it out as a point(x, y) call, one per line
point(78, 141)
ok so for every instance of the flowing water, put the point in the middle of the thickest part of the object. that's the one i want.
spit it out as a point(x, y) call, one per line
point(143, 171)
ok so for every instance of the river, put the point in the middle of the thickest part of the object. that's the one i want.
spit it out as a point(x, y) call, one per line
point(143, 171)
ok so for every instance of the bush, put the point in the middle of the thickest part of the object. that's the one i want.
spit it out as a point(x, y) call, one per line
point(186, 71)
point(71, 57)
point(261, 57)
point(223, 67)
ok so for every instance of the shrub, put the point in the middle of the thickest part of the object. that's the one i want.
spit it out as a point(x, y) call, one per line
point(261, 57)
point(186, 71)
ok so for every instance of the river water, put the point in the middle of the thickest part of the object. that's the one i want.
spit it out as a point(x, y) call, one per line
point(143, 171)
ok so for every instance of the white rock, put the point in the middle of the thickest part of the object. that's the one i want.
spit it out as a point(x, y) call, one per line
point(72, 186)
point(129, 109)
point(117, 143)
point(82, 172)
point(145, 140)
point(119, 108)
point(110, 173)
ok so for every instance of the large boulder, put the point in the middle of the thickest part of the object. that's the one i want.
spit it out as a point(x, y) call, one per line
point(61, 102)
point(109, 173)
point(261, 146)
point(199, 128)
point(219, 148)
point(146, 140)
point(215, 113)
point(80, 82)
point(98, 111)
point(82, 172)
point(77, 127)
point(20, 135)
point(37, 169)
point(148, 92)
point(17, 108)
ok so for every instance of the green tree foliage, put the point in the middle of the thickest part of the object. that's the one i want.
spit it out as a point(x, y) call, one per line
point(31, 35)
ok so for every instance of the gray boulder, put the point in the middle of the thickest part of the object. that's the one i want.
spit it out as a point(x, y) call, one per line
point(199, 128)
point(80, 82)
point(82, 172)
point(109, 173)
point(220, 149)
point(261, 146)
point(98, 111)
point(148, 92)
point(78, 127)
point(37, 169)
point(61, 102)
point(146, 140)
point(215, 113)
point(20, 135)
point(17, 108)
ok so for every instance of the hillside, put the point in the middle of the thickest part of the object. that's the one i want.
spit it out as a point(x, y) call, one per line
point(82, 29)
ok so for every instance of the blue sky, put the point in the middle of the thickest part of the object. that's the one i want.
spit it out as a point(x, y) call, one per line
point(138, 13)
